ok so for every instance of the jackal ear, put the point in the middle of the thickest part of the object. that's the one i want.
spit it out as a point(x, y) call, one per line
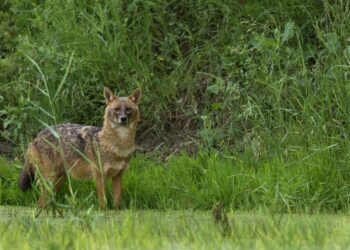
point(109, 96)
point(135, 96)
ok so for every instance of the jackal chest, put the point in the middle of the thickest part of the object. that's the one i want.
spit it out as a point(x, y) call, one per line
point(116, 161)
point(115, 168)
point(112, 151)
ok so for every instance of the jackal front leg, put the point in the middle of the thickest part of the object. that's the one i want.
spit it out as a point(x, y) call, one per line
point(117, 189)
point(101, 190)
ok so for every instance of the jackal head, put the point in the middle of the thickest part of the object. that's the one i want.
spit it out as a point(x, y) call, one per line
point(121, 111)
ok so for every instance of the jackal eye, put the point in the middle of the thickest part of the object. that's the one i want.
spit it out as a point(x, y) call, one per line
point(128, 110)
point(117, 109)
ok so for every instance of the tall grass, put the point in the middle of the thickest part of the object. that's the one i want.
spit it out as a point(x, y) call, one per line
point(305, 183)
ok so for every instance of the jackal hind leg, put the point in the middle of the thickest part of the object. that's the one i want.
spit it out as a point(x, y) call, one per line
point(59, 183)
point(42, 197)
point(46, 193)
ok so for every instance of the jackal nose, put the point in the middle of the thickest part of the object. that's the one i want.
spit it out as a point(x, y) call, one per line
point(123, 119)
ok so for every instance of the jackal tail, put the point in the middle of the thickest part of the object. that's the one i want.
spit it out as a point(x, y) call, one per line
point(26, 177)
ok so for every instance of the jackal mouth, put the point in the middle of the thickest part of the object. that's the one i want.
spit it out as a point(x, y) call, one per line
point(123, 123)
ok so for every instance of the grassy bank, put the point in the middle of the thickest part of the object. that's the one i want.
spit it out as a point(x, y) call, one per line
point(225, 73)
point(138, 229)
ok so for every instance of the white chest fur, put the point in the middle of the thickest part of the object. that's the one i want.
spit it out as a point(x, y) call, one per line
point(119, 152)
point(123, 133)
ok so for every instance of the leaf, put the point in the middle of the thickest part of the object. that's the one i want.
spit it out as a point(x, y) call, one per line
point(330, 73)
point(64, 77)
point(40, 71)
point(261, 42)
point(7, 122)
point(216, 105)
point(289, 31)
point(194, 188)
point(332, 41)
point(214, 89)
point(347, 52)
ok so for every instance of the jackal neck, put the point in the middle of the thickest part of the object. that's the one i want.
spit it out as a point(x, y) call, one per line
point(122, 137)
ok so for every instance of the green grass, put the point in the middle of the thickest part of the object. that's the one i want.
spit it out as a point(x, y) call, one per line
point(149, 229)
point(303, 182)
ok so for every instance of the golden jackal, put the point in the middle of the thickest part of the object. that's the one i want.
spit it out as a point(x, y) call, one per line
point(86, 152)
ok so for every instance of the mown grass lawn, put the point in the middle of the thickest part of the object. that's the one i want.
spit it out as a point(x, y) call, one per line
point(152, 229)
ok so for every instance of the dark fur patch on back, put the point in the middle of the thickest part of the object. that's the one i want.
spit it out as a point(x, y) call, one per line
point(68, 142)
point(81, 143)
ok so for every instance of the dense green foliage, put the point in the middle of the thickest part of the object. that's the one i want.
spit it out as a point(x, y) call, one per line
point(248, 74)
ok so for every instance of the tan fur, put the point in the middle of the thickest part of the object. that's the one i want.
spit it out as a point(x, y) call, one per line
point(87, 152)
